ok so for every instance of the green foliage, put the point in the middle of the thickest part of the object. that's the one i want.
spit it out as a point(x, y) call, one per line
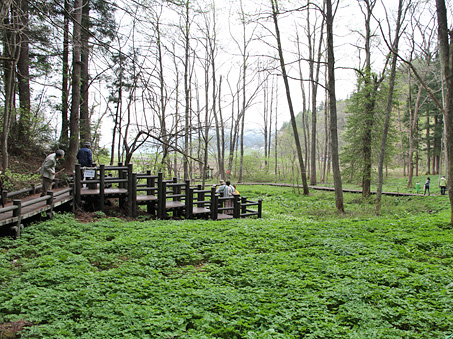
point(300, 274)
point(366, 97)
point(13, 181)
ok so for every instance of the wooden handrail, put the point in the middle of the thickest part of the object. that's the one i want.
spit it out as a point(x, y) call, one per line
point(8, 209)
point(34, 201)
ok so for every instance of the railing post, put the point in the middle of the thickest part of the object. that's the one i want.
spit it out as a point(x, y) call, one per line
point(188, 199)
point(189, 202)
point(243, 207)
point(121, 175)
point(161, 196)
point(72, 185)
point(49, 202)
point(17, 213)
point(102, 187)
point(33, 189)
point(132, 196)
point(4, 197)
point(214, 204)
point(130, 189)
point(200, 196)
point(77, 185)
point(176, 189)
point(236, 206)
point(260, 203)
point(215, 210)
point(150, 182)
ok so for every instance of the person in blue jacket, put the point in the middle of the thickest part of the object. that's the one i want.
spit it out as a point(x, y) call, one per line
point(84, 155)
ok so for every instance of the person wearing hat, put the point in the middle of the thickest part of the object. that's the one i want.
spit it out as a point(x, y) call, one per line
point(47, 170)
point(226, 190)
point(84, 155)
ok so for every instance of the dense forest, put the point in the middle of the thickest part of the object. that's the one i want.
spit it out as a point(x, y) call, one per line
point(181, 82)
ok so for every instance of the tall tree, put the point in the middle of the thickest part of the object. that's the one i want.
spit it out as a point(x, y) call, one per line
point(243, 45)
point(388, 110)
point(11, 51)
point(275, 13)
point(371, 83)
point(23, 134)
point(446, 57)
point(74, 126)
point(314, 62)
point(187, 95)
point(64, 134)
point(85, 125)
point(333, 109)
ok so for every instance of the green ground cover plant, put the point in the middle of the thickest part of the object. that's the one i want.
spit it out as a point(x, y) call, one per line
point(302, 271)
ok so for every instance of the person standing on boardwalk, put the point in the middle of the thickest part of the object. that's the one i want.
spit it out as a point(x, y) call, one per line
point(226, 191)
point(84, 155)
point(443, 185)
point(427, 186)
point(47, 170)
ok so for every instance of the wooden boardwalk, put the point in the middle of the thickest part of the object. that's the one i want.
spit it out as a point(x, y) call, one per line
point(163, 198)
point(331, 189)
point(15, 212)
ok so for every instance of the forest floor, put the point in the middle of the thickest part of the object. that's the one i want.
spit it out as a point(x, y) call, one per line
point(303, 270)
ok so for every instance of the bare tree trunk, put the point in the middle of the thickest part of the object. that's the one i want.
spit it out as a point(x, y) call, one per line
point(219, 133)
point(388, 108)
point(413, 112)
point(314, 78)
point(244, 92)
point(186, 90)
point(162, 100)
point(241, 159)
point(70, 158)
point(333, 109)
point(326, 130)
point(64, 134)
point(305, 130)
point(447, 70)
point(265, 118)
point(276, 136)
point(370, 86)
point(9, 83)
point(275, 13)
point(428, 144)
point(242, 114)
point(234, 132)
point(23, 77)
point(85, 123)
point(11, 52)
point(175, 158)
point(118, 111)
point(270, 124)
point(219, 124)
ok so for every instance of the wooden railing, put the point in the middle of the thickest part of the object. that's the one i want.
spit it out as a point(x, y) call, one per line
point(161, 196)
point(22, 209)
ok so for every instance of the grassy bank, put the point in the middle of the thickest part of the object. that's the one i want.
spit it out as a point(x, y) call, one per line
point(302, 271)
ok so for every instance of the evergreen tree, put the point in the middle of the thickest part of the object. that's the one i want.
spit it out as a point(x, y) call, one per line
point(357, 129)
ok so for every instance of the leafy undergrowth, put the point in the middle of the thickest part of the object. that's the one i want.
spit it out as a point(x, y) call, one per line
point(288, 275)
point(321, 204)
